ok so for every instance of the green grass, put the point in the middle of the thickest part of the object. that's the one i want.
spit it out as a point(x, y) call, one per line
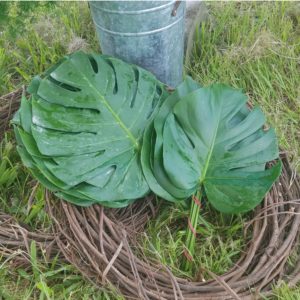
point(16, 187)
point(60, 283)
point(34, 35)
point(252, 45)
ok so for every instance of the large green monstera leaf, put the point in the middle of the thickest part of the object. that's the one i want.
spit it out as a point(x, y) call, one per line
point(81, 130)
point(208, 138)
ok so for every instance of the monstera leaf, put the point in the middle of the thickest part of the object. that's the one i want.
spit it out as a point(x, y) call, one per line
point(81, 130)
point(207, 138)
point(152, 150)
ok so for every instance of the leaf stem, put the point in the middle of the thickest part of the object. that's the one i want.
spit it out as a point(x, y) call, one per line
point(192, 227)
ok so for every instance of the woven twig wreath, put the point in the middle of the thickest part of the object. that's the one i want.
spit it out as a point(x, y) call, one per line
point(101, 244)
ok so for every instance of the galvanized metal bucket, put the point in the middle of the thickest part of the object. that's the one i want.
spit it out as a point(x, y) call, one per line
point(147, 33)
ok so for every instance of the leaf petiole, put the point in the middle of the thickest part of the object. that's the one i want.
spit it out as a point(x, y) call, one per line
point(192, 227)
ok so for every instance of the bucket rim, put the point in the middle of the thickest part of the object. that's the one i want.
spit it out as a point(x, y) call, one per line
point(136, 34)
point(133, 12)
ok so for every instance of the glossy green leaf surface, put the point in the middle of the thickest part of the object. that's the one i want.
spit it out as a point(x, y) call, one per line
point(81, 130)
point(208, 137)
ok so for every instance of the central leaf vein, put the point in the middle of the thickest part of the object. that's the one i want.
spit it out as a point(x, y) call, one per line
point(210, 151)
point(115, 116)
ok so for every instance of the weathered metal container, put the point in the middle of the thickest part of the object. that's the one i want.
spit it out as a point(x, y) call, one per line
point(147, 33)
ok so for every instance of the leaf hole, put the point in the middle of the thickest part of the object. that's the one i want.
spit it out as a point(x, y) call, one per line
point(100, 153)
point(158, 95)
point(115, 90)
point(155, 100)
point(52, 161)
point(135, 86)
point(62, 132)
point(110, 172)
point(64, 85)
point(92, 111)
point(93, 64)
point(187, 136)
point(235, 168)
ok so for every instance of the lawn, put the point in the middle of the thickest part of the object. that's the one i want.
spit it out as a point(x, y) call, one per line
point(251, 45)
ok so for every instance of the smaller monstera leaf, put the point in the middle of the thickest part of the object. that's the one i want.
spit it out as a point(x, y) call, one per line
point(81, 130)
point(210, 139)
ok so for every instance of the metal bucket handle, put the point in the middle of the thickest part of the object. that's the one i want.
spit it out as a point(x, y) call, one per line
point(176, 5)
